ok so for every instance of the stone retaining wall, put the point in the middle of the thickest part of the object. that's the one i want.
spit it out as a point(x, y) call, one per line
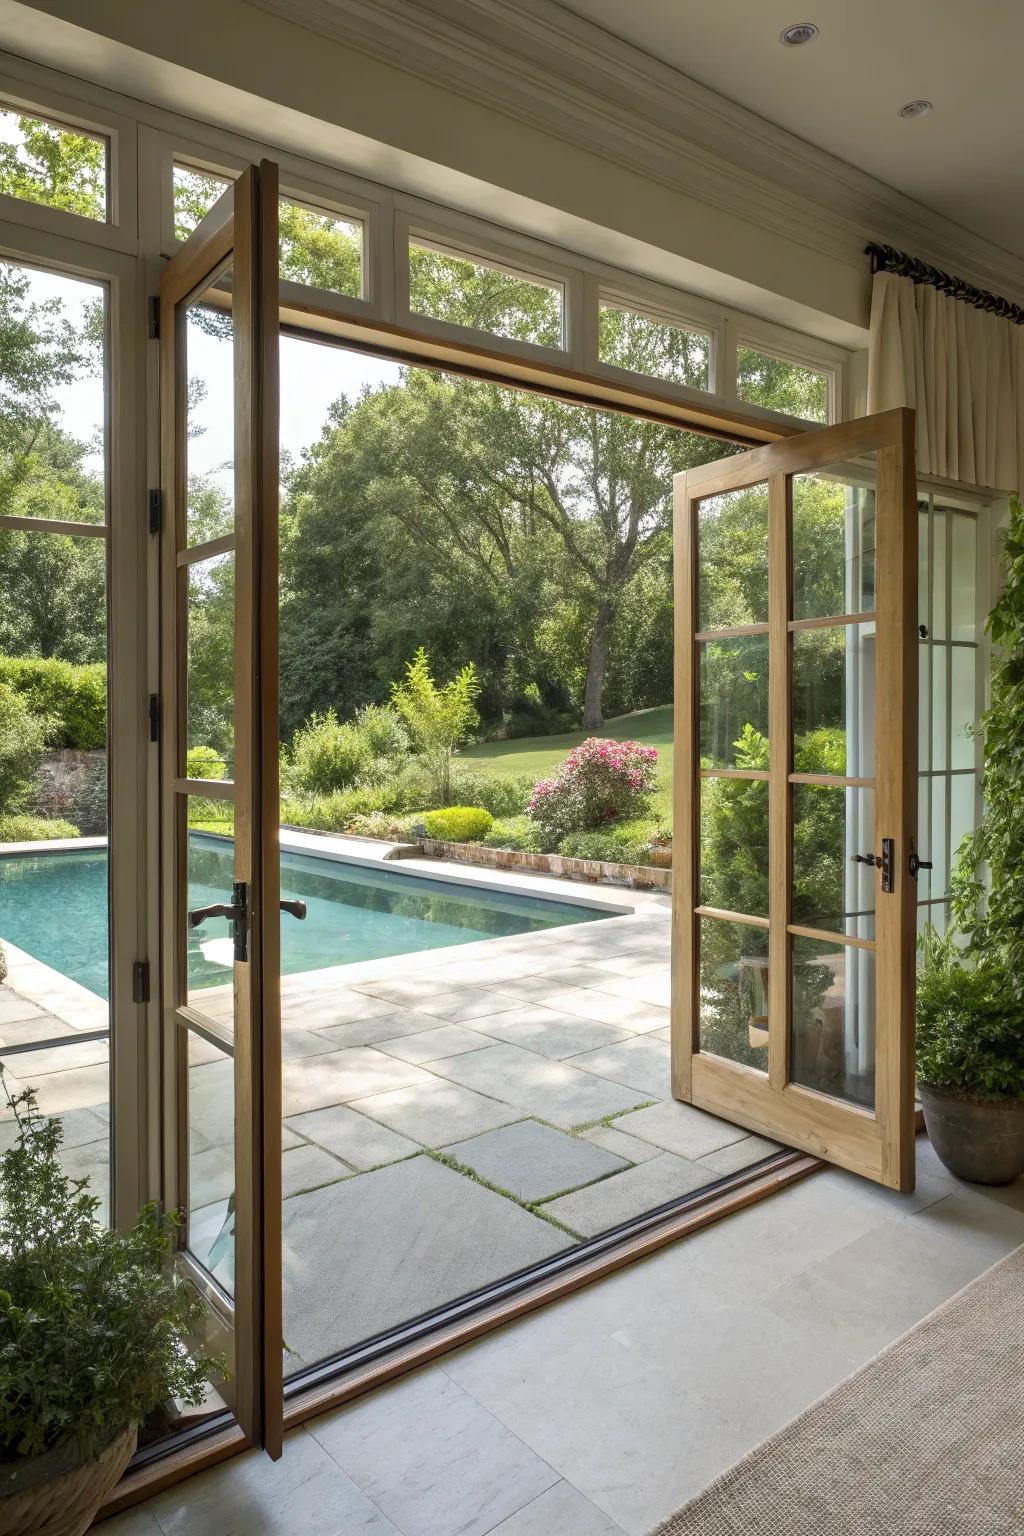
point(599, 871)
point(73, 786)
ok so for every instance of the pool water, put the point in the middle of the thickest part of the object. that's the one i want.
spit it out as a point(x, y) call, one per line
point(54, 906)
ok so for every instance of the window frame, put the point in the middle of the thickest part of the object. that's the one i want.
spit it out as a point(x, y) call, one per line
point(786, 346)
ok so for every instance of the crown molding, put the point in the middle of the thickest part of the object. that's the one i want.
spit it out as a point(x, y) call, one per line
point(536, 62)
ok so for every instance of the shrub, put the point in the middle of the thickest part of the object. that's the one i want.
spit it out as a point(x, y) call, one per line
point(94, 1322)
point(380, 726)
point(327, 756)
point(376, 824)
point(599, 781)
point(73, 697)
point(970, 1022)
point(501, 796)
point(23, 739)
point(205, 763)
point(35, 829)
point(458, 824)
point(3, 964)
point(611, 846)
point(438, 718)
point(516, 832)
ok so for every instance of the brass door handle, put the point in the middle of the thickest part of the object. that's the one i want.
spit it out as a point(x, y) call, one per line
point(295, 908)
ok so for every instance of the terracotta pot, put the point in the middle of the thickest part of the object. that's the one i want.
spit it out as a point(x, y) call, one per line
point(57, 1494)
point(980, 1140)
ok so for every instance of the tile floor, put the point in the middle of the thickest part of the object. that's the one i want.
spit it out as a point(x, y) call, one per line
point(599, 1415)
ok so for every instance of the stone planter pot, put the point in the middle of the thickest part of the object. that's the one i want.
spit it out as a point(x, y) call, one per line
point(661, 856)
point(980, 1140)
point(56, 1494)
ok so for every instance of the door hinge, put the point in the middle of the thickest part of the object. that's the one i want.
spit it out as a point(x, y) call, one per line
point(154, 717)
point(156, 511)
point(140, 981)
point(154, 317)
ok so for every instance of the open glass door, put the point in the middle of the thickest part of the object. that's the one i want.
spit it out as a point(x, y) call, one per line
point(795, 813)
point(218, 727)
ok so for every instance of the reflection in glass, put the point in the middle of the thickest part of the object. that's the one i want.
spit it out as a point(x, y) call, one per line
point(210, 421)
point(210, 683)
point(734, 845)
point(833, 1024)
point(655, 347)
point(924, 834)
point(830, 890)
point(734, 702)
point(734, 991)
point(962, 709)
point(211, 865)
point(833, 545)
point(963, 590)
point(211, 1158)
point(938, 841)
point(834, 699)
point(962, 808)
point(732, 558)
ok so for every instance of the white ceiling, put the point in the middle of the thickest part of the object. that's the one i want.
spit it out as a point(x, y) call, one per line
point(842, 91)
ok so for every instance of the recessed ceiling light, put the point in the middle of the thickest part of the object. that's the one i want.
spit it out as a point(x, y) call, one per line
point(919, 108)
point(802, 32)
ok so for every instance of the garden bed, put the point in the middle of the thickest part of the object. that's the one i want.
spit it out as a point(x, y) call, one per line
point(601, 871)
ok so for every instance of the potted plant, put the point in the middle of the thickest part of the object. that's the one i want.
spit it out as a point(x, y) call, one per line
point(970, 1005)
point(660, 847)
point(93, 1330)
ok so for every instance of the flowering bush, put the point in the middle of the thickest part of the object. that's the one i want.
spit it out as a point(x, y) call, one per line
point(599, 781)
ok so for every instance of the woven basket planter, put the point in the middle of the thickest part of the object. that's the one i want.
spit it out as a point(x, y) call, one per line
point(56, 1494)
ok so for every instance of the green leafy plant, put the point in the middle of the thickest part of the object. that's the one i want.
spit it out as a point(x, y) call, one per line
point(35, 829)
point(458, 824)
point(205, 763)
point(519, 833)
point(94, 1323)
point(970, 1022)
point(23, 740)
point(626, 843)
point(327, 755)
point(381, 728)
point(377, 824)
point(502, 796)
point(71, 696)
point(439, 718)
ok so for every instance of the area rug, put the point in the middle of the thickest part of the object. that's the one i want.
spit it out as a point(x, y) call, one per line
point(927, 1439)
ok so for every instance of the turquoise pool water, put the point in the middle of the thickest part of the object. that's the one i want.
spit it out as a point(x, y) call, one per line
point(54, 906)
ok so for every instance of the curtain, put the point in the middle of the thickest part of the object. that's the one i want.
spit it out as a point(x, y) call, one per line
point(961, 369)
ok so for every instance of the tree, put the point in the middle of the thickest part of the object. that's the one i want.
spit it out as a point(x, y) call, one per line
point(55, 166)
point(439, 718)
point(23, 740)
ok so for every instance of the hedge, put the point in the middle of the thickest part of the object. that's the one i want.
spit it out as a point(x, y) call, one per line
point(458, 823)
point(35, 829)
point(73, 697)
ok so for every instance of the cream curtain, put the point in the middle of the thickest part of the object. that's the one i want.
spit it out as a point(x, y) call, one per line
point(963, 372)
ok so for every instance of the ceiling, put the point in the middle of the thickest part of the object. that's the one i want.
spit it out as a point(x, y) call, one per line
point(842, 91)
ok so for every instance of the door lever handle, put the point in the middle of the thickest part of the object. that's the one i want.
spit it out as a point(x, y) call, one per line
point(237, 914)
point(865, 858)
point(295, 908)
point(218, 909)
point(916, 864)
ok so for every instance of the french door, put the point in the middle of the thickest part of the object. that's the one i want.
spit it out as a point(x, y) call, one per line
point(795, 792)
point(218, 729)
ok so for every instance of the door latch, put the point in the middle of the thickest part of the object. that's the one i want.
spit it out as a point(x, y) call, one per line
point(237, 913)
point(885, 861)
point(916, 864)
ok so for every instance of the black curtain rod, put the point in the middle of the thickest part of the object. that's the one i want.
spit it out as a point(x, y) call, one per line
point(886, 258)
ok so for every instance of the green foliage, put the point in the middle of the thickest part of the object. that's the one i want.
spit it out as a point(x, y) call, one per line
point(55, 166)
point(439, 718)
point(458, 823)
point(94, 1323)
point(626, 842)
point(970, 1021)
point(327, 755)
point(204, 763)
point(465, 292)
point(515, 832)
point(72, 696)
point(781, 386)
point(35, 829)
point(381, 728)
point(501, 796)
point(390, 829)
point(23, 740)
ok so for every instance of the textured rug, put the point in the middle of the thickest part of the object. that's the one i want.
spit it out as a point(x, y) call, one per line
point(927, 1439)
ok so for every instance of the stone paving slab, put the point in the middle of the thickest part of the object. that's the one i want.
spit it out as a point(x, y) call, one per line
point(307, 1167)
point(313, 1082)
point(434, 1044)
point(551, 1090)
point(548, 1032)
point(383, 1026)
point(534, 1162)
point(632, 1193)
point(353, 1137)
point(630, 1147)
point(436, 1112)
point(414, 1236)
point(466, 1003)
point(739, 1154)
point(607, 1008)
point(639, 1062)
point(681, 1128)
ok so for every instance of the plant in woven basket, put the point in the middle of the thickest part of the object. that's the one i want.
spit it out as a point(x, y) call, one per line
point(93, 1322)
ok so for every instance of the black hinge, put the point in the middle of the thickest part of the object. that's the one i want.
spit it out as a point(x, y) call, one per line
point(154, 317)
point(140, 981)
point(156, 511)
point(154, 717)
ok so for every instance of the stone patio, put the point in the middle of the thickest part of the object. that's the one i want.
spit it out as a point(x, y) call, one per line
point(451, 1117)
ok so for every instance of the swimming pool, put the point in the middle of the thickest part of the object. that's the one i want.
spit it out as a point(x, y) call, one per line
point(54, 906)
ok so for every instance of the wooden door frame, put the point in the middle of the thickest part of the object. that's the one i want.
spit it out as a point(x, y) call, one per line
point(240, 233)
point(878, 1143)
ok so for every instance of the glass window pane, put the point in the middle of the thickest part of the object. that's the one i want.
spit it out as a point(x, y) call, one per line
point(831, 890)
point(734, 991)
point(210, 418)
point(734, 845)
point(833, 546)
point(833, 1027)
point(963, 570)
point(210, 681)
point(211, 864)
point(655, 347)
point(939, 629)
point(940, 732)
point(962, 809)
point(734, 702)
point(924, 834)
point(48, 163)
point(211, 1158)
point(732, 558)
point(834, 700)
point(780, 386)
point(963, 662)
point(322, 249)
point(938, 844)
point(923, 564)
point(467, 291)
point(195, 193)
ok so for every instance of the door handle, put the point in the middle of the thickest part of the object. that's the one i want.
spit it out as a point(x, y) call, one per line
point(885, 861)
point(237, 913)
point(295, 908)
point(865, 858)
point(916, 864)
point(218, 909)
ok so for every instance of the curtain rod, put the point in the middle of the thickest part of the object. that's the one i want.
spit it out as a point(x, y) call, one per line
point(886, 258)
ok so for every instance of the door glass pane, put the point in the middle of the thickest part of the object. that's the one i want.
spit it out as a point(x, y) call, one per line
point(210, 683)
point(924, 834)
point(962, 707)
point(833, 1028)
point(940, 628)
point(734, 702)
point(734, 845)
point(732, 558)
point(962, 806)
point(211, 1157)
point(831, 890)
point(923, 565)
point(939, 843)
point(940, 731)
point(733, 1003)
point(210, 417)
point(211, 865)
point(834, 699)
point(963, 585)
point(833, 544)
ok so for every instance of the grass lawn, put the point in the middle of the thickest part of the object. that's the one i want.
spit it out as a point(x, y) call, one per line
point(538, 755)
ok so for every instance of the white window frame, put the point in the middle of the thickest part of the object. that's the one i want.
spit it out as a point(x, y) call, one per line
point(787, 346)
